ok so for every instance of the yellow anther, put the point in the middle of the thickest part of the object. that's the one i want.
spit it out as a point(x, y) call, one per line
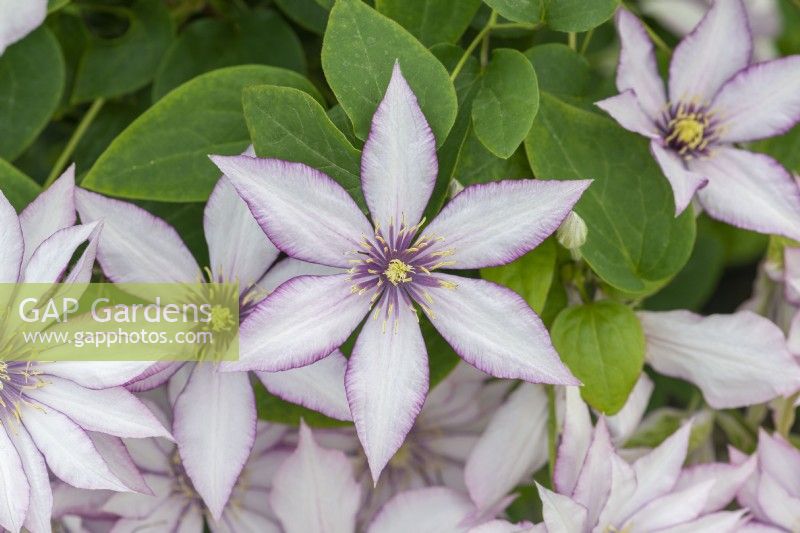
point(397, 272)
point(221, 319)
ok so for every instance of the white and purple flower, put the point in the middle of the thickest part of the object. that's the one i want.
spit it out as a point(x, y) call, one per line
point(61, 417)
point(394, 265)
point(215, 413)
point(716, 100)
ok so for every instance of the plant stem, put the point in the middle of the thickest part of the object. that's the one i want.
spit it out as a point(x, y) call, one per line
point(572, 40)
point(77, 135)
point(586, 41)
point(552, 430)
point(471, 48)
point(785, 418)
point(657, 40)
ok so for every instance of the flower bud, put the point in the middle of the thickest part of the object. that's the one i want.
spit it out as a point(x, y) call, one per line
point(572, 232)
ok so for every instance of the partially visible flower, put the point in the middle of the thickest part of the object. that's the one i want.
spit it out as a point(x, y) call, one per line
point(716, 100)
point(175, 504)
point(736, 360)
point(137, 247)
point(772, 492)
point(395, 268)
point(681, 16)
point(455, 440)
point(65, 416)
point(596, 490)
point(18, 18)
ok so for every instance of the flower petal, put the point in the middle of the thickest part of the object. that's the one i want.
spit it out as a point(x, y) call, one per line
point(303, 212)
point(40, 504)
point(11, 242)
point(398, 165)
point(623, 424)
point(594, 481)
point(318, 386)
point(719, 47)
point(759, 102)
point(683, 181)
point(14, 487)
point(782, 507)
point(237, 246)
point(215, 427)
point(727, 478)
point(637, 69)
point(657, 472)
point(428, 510)
point(386, 383)
point(561, 514)
point(626, 109)
point(50, 260)
point(119, 461)
point(136, 247)
point(113, 411)
point(304, 320)
point(736, 360)
point(519, 428)
point(779, 459)
point(494, 223)
point(751, 191)
point(673, 508)
point(19, 19)
point(289, 268)
point(722, 522)
point(575, 441)
point(314, 489)
point(69, 451)
point(52, 210)
point(98, 375)
point(493, 329)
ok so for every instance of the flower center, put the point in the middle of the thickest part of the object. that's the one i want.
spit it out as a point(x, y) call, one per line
point(15, 378)
point(688, 129)
point(221, 319)
point(397, 272)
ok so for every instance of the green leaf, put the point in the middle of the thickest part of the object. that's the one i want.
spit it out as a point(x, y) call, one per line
point(506, 103)
point(695, 284)
point(307, 13)
point(18, 188)
point(163, 154)
point(358, 53)
point(635, 242)
point(602, 343)
point(289, 124)
point(31, 83)
point(431, 21)
point(112, 67)
point(258, 37)
point(530, 276)
point(559, 69)
point(518, 10)
point(476, 164)
point(578, 15)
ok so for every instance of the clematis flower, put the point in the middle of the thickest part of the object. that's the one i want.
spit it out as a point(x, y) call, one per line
point(681, 16)
point(736, 360)
point(63, 416)
point(596, 490)
point(772, 493)
point(175, 504)
point(454, 443)
point(394, 267)
point(138, 247)
point(18, 19)
point(716, 99)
